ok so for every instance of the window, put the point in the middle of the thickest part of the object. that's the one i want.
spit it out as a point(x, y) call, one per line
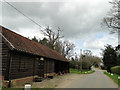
point(23, 64)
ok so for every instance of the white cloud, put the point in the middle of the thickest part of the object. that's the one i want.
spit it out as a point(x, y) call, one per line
point(31, 33)
point(94, 44)
point(79, 20)
point(97, 43)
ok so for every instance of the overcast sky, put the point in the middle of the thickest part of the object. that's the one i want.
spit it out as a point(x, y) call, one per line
point(80, 21)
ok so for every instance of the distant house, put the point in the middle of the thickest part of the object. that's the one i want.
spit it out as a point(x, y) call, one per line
point(22, 57)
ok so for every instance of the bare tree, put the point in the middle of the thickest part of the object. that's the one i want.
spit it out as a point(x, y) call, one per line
point(52, 36)
point(68, 48)
point(63, 47)
point(87, 52)
point(113, 18)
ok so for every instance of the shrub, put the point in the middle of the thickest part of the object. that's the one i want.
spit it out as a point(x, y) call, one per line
point(103, 67)
point(115, 69)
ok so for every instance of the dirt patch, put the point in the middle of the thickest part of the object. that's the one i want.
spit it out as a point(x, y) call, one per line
point(57, 82)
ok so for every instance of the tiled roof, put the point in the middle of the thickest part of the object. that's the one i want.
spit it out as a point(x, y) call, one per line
point(24, 44)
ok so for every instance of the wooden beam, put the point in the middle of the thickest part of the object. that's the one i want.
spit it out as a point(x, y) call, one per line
point(7, 42)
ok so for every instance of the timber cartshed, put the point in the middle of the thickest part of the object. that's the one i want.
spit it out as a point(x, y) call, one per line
point(23, 58)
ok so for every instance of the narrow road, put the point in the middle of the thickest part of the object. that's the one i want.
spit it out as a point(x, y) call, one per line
point(95, 80)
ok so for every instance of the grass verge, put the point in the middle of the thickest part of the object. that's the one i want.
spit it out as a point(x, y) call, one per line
point(83, 71)
point(114, 77)
point(24, 89)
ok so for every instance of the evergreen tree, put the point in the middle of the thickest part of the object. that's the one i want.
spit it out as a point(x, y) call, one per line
point(109, 57)
point(35, 39)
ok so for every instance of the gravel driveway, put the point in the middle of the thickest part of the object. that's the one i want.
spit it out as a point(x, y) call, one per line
point(56, 81)
point(95, 80)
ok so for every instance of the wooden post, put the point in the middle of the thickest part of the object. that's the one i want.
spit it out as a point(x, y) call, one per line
point(118, 82)
point(33, 68)
point(46, 68)
point(10, 65)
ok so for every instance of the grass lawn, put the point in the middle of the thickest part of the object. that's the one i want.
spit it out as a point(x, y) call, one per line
point(114, 77)
point(83, 71)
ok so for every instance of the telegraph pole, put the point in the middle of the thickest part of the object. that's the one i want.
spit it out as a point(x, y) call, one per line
point(81, 59)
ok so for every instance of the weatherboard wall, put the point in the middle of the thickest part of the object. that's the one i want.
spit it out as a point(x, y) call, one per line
point(23, 65)
point(5, 59)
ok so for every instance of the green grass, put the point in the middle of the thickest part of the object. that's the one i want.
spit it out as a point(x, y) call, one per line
point(6, 88)
point(83, 71)
point(23, 88)
point(114, 77)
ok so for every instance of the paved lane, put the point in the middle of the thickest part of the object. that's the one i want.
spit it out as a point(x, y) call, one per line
point(95, 80)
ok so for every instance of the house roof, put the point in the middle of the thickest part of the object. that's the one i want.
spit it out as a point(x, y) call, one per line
point(20, 43)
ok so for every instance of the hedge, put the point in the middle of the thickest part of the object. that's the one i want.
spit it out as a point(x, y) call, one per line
point(115, 69)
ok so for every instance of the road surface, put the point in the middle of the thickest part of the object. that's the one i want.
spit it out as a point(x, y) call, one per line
point(95, 80)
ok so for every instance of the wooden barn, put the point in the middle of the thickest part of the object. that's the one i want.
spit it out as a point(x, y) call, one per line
point(22, 57)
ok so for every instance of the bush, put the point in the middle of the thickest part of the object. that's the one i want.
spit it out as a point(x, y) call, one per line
point(115, 69)
point(103, 67)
